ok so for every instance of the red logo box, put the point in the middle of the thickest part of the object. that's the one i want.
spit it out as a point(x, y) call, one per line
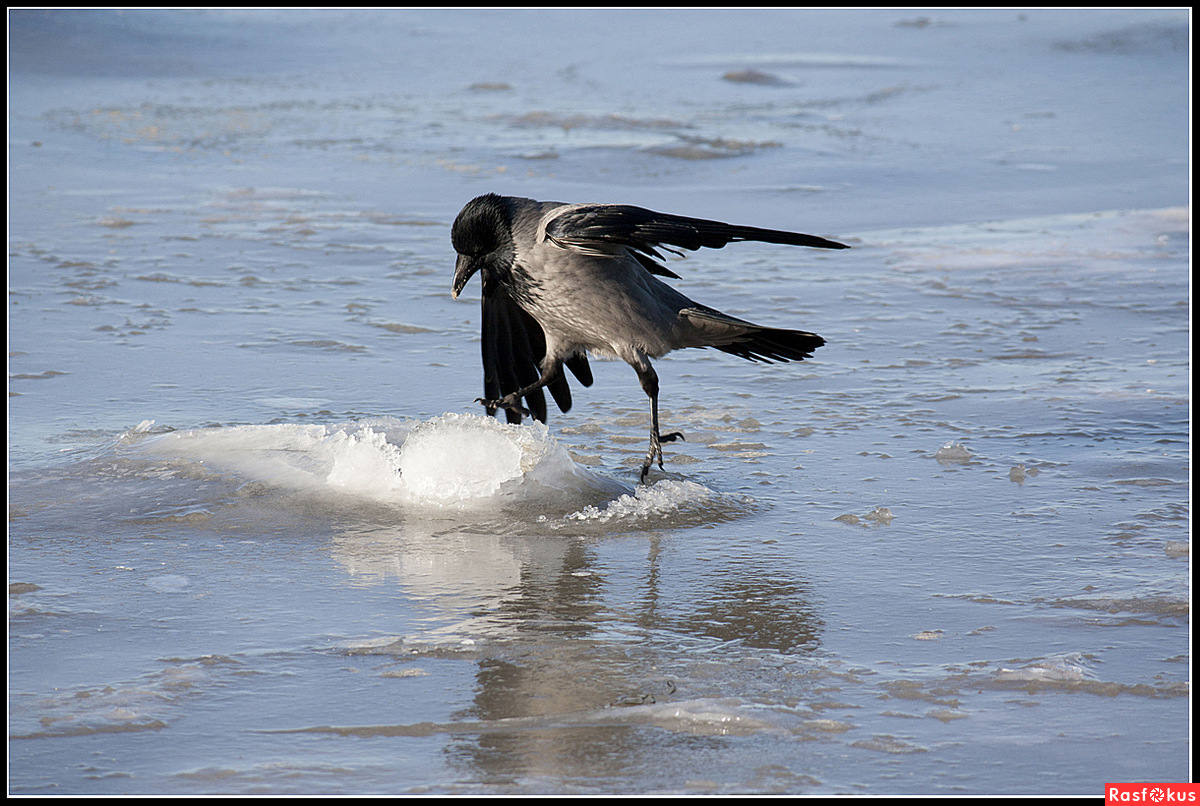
point(1158, 794)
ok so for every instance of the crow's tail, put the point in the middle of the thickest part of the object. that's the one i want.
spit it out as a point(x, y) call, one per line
point(750, 341)
point(773, 344)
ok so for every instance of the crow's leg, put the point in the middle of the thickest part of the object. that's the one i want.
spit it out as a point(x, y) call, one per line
point(649, 381)
point(512, 401)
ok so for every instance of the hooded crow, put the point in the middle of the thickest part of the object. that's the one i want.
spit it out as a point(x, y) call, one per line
point(564, 280)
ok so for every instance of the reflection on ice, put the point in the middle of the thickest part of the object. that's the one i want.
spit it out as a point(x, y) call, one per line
point(702, 717)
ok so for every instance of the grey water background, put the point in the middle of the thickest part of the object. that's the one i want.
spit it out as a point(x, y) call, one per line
point(262, 541)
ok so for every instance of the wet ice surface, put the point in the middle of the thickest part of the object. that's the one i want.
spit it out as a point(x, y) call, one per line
point(262, 541)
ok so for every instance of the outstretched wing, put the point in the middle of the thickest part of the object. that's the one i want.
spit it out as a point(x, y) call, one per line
point(598, 228)
point(513, 346)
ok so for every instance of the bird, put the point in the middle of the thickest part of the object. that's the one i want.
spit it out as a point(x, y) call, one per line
point(564, 281)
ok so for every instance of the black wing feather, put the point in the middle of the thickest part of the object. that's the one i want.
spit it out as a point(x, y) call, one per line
point(645, 231)
point(560, 390)
point(578, 364)
point(526, 371)
point(513, 346)
point(505, 349)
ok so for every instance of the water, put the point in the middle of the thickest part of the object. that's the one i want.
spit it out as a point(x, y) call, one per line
point(261, 540)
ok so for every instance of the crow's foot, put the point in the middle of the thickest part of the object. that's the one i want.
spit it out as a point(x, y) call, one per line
point(508, 402)
point(655, 453)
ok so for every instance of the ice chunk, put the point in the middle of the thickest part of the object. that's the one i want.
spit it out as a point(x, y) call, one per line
point(666, 497)
point(451, 460)
point(953, 453)
point(461, 457)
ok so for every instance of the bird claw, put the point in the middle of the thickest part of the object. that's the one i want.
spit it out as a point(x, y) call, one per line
point(648, 463)
point(655, 452)
point(503, 403)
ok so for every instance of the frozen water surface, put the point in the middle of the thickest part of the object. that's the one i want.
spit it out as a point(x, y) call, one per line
point(261, 540)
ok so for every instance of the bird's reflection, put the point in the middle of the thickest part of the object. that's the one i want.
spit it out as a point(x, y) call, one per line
point(562, 600)
point(564, 634)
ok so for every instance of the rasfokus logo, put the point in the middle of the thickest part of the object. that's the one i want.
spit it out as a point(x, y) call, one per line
point(1153, 794)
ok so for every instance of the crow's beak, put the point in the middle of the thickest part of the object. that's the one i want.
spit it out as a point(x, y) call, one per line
point(464, 269)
